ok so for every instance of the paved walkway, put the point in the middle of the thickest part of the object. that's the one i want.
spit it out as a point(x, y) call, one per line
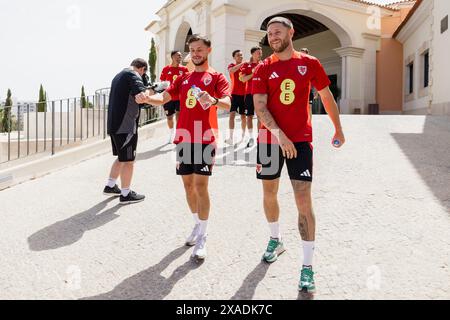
point(382, 205)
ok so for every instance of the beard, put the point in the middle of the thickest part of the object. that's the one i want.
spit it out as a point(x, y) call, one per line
point(284, 44)
point(200, 63)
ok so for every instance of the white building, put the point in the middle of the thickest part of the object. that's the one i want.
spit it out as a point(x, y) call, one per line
point(352, 38)
point(426, 45)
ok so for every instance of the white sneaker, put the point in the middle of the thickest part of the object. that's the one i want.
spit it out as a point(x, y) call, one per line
point(229, 141)
point(192, 239)
point(200, 248)
point(251, 143)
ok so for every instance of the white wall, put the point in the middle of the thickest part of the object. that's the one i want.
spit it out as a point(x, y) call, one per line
point(416, 37)
point(440, 65)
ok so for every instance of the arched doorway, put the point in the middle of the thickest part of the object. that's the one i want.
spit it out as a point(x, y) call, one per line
point(182, 36)
point(321, 42)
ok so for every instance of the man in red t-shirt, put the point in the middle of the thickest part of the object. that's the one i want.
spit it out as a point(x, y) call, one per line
point(170, 73)
point(281, 87)
point(200, 92)
point(246, 75)
point(237, 95)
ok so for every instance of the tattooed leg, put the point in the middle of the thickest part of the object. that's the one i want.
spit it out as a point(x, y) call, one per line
point(306, 218)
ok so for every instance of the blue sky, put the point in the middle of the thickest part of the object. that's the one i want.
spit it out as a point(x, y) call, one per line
point(66, 43)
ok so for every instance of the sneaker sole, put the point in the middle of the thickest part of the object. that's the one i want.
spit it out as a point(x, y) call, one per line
point(130, 202)
point(275, 258)
point(190, 244)
point(111, 194)
point(306, 290)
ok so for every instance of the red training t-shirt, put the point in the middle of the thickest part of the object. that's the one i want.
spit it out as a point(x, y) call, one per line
point(287, 84)
point(170, 73)
point(194, 124)
point(245, 70)
point(237, 86)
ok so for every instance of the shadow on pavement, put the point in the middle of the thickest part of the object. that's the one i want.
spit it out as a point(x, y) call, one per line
point(236, 157)
point(166, 148)
point(66, 232)
point(429, 152)
point(150, 284)
point(248, 287)
point(305, 295)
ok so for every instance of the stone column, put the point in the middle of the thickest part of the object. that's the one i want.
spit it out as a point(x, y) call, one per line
point(203, 10)
point(372, 45)
point(162, 42)
point(352, 91)
point(226, 34)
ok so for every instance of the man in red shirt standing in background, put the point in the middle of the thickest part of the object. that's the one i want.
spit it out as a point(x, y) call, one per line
point(281, 87)
point(199, 92)
point(170, 73)
point(237, 95)
point(246, 75)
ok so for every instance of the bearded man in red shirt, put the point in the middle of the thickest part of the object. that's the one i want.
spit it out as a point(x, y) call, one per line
point(281, 87)
point(199, 92)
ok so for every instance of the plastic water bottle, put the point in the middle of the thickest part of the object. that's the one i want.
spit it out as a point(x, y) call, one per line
point(196, 93)
point(336, 143)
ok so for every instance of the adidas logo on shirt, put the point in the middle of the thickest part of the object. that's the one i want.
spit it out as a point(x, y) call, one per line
point(306, 174)
point(185, 82)
point(274, 76)
point(205, 169)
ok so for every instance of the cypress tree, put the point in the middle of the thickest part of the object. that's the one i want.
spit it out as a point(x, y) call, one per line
point(152, 61)
point(42, 99)
point(83, 98)
point(6, 119)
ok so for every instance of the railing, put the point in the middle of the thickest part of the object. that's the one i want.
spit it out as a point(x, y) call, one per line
point(56, 125)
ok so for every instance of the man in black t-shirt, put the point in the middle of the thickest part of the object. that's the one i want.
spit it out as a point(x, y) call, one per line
point(123, 113)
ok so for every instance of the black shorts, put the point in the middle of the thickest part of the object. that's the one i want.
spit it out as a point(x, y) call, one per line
point(124, 146)
point(195, 158)
point(270, 162)
point(249, 106)
point(171, 107)
point(237, 104)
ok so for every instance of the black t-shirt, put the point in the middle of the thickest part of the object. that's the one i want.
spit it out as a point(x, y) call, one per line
point(123, 111)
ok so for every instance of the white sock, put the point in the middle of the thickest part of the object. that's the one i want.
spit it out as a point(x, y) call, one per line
point(125, 192)
point(250, 133)
point(111, 182)
point(231, 134)
point(196, 219)
point(275, 230)
point(308, 252)
point(203, 225)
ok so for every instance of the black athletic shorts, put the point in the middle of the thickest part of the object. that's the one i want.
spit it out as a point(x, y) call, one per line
point(195, 158)
point(249, 106)
point(270, 162)
point(171, 107)
point(124, 146)
point(237, 104)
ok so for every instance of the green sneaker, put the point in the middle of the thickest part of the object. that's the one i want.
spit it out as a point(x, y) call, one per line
point(307, 280)
point(274, 249)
